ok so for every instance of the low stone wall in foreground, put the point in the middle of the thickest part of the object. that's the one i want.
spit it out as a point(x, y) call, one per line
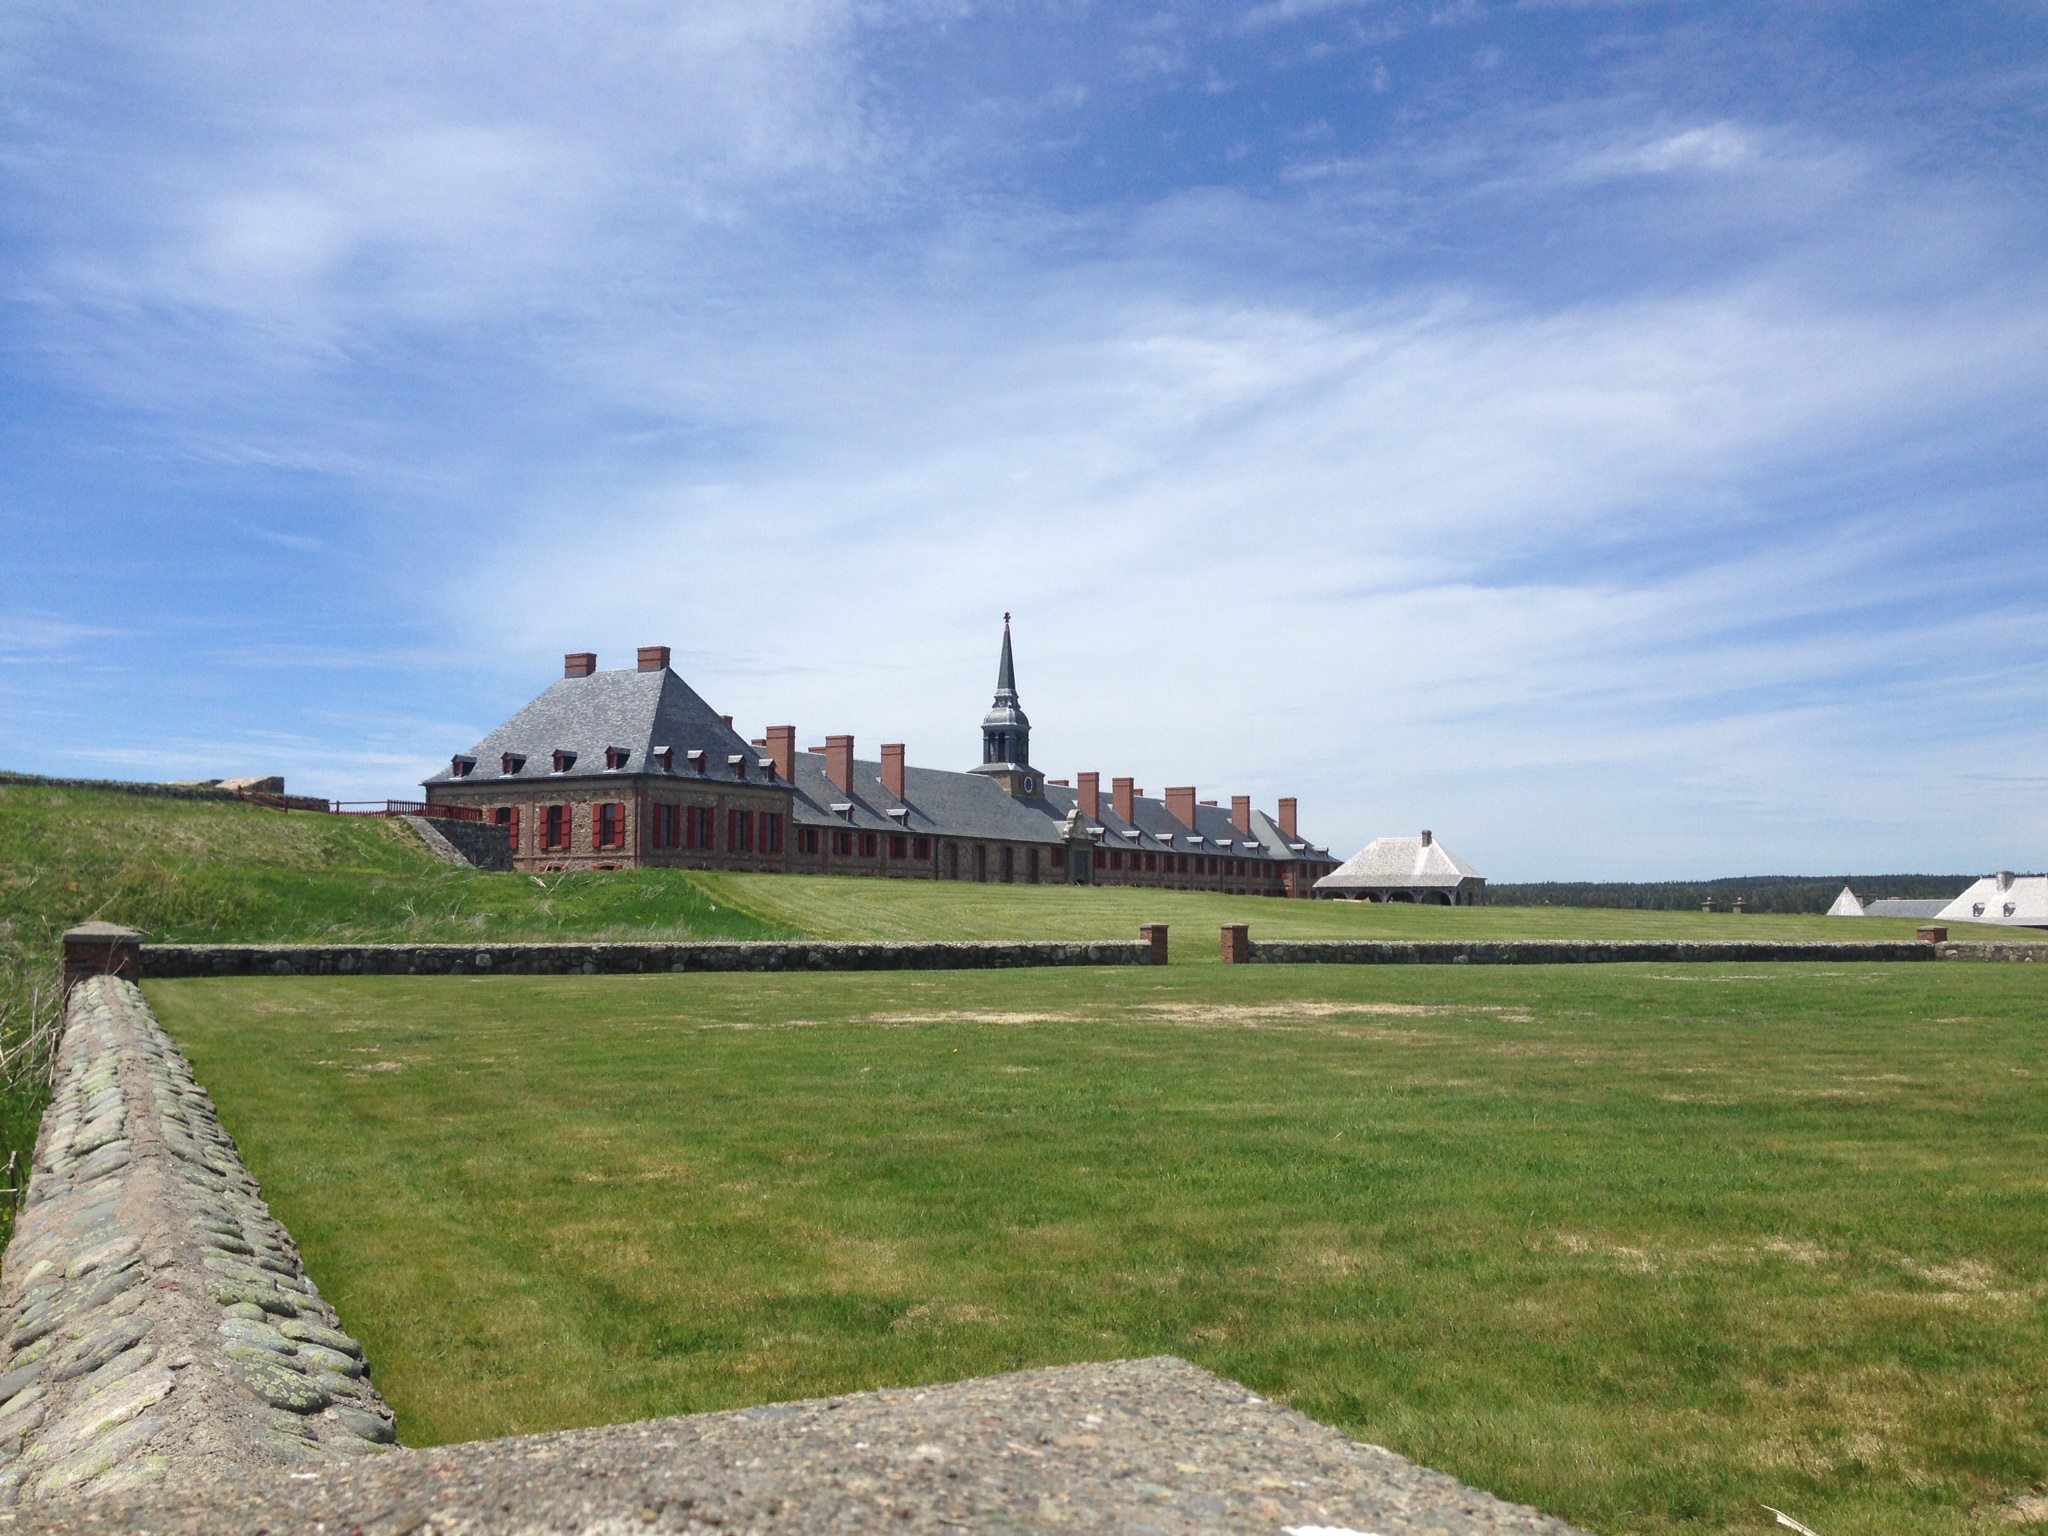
point(1246, 951)
point(153, 1314)
point(182, 960)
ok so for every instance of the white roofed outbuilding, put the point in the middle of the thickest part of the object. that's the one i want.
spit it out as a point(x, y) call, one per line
point(1412, 869)
point(2017, 901)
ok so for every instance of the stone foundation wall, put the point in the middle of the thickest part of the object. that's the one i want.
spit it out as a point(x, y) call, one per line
point(470, 844)
point(184, 960)
point(157, 1321)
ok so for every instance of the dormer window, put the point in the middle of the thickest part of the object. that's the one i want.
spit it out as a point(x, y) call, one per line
point(766, 765)
point(461, 766)
point(898, 813)
point(511, 763)
point(737, 762)
point(1976, 909)
point(843, 808)
point(696, 758)
point(665, 759)
point(615, 758)
point(564, 760)
point(2010, 909)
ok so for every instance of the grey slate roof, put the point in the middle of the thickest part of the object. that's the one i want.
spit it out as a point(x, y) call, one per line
point(640, 711)
point(938, 802)
point(1902, 906)
point(1157, 830)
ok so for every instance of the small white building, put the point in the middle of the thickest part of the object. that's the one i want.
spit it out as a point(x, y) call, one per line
point(1414, 869)
point(2017, 901)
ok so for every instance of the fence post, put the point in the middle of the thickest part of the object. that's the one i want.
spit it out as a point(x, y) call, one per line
point(1237, 943)
point(101, 949)
point(1154, 934)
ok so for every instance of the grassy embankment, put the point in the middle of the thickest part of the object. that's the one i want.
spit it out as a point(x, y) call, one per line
point(195, 869)
point(1646, 1246)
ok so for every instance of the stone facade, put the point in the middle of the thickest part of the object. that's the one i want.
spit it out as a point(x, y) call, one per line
point(632, 768)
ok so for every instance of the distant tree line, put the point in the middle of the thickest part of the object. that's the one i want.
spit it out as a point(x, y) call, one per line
point(1759, 893)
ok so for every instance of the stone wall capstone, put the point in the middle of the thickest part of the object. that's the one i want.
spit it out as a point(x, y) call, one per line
point(157, 1321)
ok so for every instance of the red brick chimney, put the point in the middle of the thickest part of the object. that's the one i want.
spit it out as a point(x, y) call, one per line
point(1121, 797)
point(1180, 804)
point(839, 762)
point(1089, 794)
point(892, 768)
point(781, 741)
point(579, 663)
point(653, 658)
point(1241, 813)
point(1287, 818)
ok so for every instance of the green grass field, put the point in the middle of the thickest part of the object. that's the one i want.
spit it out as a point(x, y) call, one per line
point(826, 907)
point(1649, 1247)
point(193, 870)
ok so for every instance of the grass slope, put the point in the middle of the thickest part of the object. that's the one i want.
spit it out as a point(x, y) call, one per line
point(197, 869)
point(1646, 1246)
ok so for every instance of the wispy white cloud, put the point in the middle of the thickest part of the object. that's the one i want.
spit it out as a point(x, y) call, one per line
point(1550, 456)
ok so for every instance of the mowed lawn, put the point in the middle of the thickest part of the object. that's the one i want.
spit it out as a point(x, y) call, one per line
point(837, 908)
point(1647, 1246)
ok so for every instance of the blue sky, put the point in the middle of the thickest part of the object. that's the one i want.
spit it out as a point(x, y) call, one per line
point(1608, 434)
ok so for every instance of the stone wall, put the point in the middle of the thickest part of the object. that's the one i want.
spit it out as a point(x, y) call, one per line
point(176, 960)
point(158, 1323)
point(1591, 951)
point(470, 844)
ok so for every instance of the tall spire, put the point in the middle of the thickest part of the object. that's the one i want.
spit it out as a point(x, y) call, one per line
point(1006, 673)
point(1006, 730)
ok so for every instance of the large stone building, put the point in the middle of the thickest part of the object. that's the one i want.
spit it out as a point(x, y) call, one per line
point(628, 769)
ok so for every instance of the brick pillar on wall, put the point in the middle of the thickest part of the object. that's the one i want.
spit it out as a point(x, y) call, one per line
point(1237, 943)
point(101, 949)
point(1154, 934)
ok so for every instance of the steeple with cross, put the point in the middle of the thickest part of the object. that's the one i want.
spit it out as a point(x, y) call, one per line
point(1006, 731)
